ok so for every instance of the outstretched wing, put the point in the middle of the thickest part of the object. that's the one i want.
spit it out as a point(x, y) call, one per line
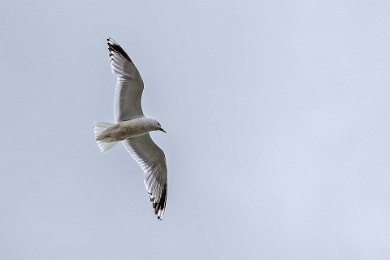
point(152, 160)
point(129, 84)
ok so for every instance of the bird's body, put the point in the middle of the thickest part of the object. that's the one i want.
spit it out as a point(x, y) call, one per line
point(127, 129)
point(132, 127)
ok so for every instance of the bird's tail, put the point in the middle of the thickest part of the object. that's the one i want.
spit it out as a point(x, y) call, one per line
point(99, 128)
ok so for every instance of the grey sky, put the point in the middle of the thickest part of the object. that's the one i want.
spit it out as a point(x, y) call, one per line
point(277, 120)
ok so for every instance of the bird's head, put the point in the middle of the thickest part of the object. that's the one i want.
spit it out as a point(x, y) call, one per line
point(158, 127)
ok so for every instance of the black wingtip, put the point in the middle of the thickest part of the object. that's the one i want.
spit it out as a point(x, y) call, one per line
point(159, 206)
point(113, 46)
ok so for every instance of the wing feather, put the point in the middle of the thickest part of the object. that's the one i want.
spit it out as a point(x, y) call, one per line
point(152, 160)
point(129, 85)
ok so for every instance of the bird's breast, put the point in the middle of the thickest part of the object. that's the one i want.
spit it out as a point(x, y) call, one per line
point(130, 129)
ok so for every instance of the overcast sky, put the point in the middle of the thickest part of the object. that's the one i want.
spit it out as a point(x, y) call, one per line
point(277, 119)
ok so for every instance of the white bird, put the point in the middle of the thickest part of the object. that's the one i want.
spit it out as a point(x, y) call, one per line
point(132, 127)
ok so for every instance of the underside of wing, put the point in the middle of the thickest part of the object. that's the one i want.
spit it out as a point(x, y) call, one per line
point(129, 85)
point(152, 160)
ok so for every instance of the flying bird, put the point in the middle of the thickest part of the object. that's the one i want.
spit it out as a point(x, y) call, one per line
point(132, 127)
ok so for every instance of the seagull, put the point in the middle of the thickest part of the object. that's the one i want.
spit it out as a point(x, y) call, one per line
point(132, 127)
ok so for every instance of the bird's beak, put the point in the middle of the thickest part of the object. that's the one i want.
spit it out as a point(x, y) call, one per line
point(162, 129)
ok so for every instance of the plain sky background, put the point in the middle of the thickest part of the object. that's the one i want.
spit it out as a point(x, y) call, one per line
point(277, 119)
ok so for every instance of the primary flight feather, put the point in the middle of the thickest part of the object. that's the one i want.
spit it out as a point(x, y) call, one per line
point(132, 127)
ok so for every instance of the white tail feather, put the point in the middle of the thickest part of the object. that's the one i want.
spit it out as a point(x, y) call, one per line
point(99, 127)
